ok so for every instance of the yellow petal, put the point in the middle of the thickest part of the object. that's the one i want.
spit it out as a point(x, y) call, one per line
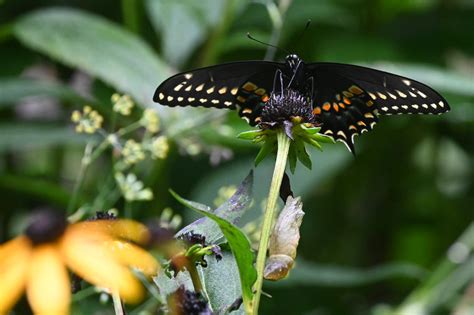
point(88, 258)
point(48, 288)
point(126, 229)
point(14, 258)
point(133, 256)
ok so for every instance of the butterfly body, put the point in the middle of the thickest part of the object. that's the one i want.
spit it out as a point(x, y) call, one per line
point(345, 100)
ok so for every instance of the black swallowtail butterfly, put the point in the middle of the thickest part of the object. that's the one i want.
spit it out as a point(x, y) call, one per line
point(345, 100)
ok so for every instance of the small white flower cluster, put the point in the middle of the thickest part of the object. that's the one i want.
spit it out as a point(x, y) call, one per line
point(123, 104)
point(131, 151)
point(132, 188)
point(89, 121)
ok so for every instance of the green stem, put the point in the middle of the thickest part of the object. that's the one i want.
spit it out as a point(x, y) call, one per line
point(118, 307)
point(128, 209)
point(280, 164)
point(194, 277)
point(80, 178)
point(132, 127)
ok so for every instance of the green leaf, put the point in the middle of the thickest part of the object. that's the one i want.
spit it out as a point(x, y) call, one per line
point(97, 46)
point(292, 158)
point(231, 210)
point(37, 188)
point(308, 273)
point(241, 249)
point(29, 136)
point(267, 147)
point(222, 282)
point(303, 156)
point(249, 134)
point(13, 90)
point(183, 25)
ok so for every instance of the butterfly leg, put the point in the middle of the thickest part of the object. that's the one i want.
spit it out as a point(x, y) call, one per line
point(294, 73)
point(278, 74)
point(311, 95)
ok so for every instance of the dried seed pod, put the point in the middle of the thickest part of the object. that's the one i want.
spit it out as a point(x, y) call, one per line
point(284, 240)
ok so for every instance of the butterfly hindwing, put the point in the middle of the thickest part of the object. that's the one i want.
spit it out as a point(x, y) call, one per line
point(342, 107)
point(243, 85)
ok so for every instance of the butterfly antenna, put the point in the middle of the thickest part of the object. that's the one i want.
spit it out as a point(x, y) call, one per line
point(308, 22)
point(267, 44)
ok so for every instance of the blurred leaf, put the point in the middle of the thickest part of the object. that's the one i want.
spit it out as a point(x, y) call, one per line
point(231, 210)
point(183, 25)
point(97, 46)
point(222, 282)
point(242, 251)
point(36, 188)
point(28, 136)
point(13, 90)
point(308, 273)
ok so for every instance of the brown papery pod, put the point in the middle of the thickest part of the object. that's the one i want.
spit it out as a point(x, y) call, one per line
point(284, 240)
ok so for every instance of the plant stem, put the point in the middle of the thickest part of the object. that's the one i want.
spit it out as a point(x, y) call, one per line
point(194, 277)
point(80, 178)
point(118, 307)
point(280, 164)
point(128, 209)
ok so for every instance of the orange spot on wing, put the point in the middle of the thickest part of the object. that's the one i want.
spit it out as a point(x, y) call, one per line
point(341, 105)
point(265, 98)
point(326, 106)
point(249, 86)
point(336, 108)
point(356, 90)
point(347, 101)
point(317, 110)
point(361, 123)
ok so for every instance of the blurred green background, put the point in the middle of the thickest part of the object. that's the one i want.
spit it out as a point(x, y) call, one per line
point(376, 226)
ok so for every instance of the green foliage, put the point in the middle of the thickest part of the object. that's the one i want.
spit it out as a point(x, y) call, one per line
point(238, 242)
point(14, 90)
point(97, 46)
point(379, 222)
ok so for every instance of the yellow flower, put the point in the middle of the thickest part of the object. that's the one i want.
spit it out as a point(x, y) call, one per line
point(133, 152)
point(97, 251)
point(88, 121)
point(159, 147)
point(150, 120)
point(122, 104)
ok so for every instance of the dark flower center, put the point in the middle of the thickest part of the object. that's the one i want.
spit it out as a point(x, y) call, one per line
point(286, 106)
point(193, 238)
point(103, 215)
point(189, 303)
point(46, 226)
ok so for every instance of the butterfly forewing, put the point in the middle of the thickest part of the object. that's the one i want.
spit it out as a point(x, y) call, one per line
point(346, 99)
point(244, 85)
point(392, 94)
